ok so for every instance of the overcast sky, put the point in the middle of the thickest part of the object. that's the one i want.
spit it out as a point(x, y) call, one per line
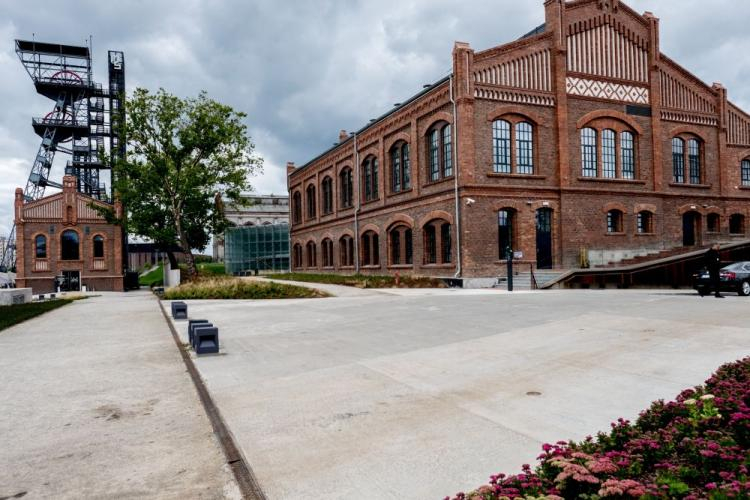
point(304, 70)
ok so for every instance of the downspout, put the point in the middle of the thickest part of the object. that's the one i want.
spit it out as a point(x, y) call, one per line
point(455, 183)
point(356, 210)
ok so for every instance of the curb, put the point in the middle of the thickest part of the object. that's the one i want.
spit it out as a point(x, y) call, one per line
point(243, 474)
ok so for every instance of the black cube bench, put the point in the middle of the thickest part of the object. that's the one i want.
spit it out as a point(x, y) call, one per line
point(205, 339)
point(192, 324)
point(179, 310)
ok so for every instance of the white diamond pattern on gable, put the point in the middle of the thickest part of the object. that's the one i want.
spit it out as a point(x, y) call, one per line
point(607, 90)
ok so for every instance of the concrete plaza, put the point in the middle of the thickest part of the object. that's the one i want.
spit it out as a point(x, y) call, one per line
point(420, 394)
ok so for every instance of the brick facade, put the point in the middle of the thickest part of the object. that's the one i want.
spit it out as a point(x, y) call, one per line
point(594, 69)
point(69, 213)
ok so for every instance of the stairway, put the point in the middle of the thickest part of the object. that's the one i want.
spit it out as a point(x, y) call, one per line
point(522, 280)
point(641, 259)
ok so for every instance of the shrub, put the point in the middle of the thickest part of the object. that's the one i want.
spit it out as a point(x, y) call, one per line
point(695, 447)
point(229, 288)
point(361, 280)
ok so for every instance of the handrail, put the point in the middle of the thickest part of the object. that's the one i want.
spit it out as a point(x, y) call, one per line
point(532, 282)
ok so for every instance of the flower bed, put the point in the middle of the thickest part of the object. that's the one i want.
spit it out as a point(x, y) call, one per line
point(693, 448)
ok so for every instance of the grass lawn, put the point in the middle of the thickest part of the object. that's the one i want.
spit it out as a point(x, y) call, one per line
point(211, 269)
point(153, 277)
point(12, 315)
point(361, 281)
point(235, 288)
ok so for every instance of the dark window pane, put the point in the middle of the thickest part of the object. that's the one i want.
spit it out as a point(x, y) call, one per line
point(408, 247)
point(406, 167)
point(41, 247)
point(98, 247)
point(609, 154)
point(678, 160)
point(395, 247)
point(627, 152)
point(434, 149)
point(501, 146)
point(588, 152)
point(447, 152)
point(70, 247)
point(745, 172)
point(524, 148)
point(430, 245)
point(445, 238)
point(694, 159)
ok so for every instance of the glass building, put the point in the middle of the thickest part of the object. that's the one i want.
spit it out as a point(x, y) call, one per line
point(265, 248)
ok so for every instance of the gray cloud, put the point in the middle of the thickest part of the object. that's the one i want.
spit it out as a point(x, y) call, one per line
point(304, 70)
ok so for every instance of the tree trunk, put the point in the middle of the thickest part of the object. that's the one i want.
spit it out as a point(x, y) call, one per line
point(189, 259)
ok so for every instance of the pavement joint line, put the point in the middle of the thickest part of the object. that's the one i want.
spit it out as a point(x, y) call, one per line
point(243, 473)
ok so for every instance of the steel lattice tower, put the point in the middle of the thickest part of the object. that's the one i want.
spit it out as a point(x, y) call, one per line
point(84, 115)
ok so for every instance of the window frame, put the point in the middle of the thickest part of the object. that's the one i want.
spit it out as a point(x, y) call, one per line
point(741, 221)
point(296, 207)
point(44, 246)
point(589, 152)
point(437, 243)
point(400, 246)
point(399, 155)
point(370, 190)
point(65, 251)
point(439, 151)
point(745, 172)
point(615, 221)
point(311, 202)
point(346, 188)
point(510, 219)
point(644, 226)
point(94, 242)
point(327, 195)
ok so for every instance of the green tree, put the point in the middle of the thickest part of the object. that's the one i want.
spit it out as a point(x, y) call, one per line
point(184, 156)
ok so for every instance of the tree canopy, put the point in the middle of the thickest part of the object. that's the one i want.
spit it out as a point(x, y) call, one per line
point(184, 157)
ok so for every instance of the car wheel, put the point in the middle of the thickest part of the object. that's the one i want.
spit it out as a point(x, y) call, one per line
point(744, 288)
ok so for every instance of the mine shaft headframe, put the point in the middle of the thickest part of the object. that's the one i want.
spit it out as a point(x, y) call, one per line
point(54, 67)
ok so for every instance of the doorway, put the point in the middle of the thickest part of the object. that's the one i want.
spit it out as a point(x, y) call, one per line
point(71, 281)
point(691, 222)
point(544, 238)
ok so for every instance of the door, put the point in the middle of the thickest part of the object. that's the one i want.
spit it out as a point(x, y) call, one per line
point(71, 281)
point(689, 229)
point(544, 238)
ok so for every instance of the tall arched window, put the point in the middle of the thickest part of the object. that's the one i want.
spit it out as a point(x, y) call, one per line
point(312, 258)
point(589, 152)
point(505, 224)
point(346, 186)
point(694, 161)
point(440, 151)
point(370, 249)
point(678, 160)
point(645, 222)
point(524, 148)
point(98, 247)
point(400, 168)
point(437, 242)
point(370, 178)
point(745, 172)
point(327, 187)
point(297, 256)
point(326, 248)
point(736, 224)
point(40, 247)
point(609, 154)
point(614, 221)
point(627, 155)
point(400, 245)
point(297, 207)
point(501, 147)
point(311, 202)
point(346, 251)
point(69, 245)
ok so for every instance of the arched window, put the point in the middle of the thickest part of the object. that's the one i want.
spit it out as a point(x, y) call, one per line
point(589, 152)
point(501, 147)
point(69, 245)
point(297, 256)
point(609, 154)
point(346, 188)
point(326, 248)
point(645, 222)
point(440, 152)
point(40, 246)
point(614, 221)
point(736, 224)
point(312, 258)
point(400, 245)
point(98, 247)
point(524, 148)
point(311, 212)
point(713, 221)
point(694, 161)
point(678, 160)
point(437, 242)
point(327, 187)
point(296, 208)
point(346, 251)
point(400, 168)
point(627, 155)
point(370, 249)
point(505, 225)
point(745, 172)
point(370, 178)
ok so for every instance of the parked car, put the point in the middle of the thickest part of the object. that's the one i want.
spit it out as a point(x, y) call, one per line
point(733, 278)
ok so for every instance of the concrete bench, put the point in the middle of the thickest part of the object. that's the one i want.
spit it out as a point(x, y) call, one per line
point(179, 310)
point(192, 324)
point(206, 339)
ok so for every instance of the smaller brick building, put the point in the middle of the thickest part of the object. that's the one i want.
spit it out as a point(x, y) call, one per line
point(61, 241)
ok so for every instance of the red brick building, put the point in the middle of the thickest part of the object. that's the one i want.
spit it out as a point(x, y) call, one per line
point(62, 241)
point(578, 144)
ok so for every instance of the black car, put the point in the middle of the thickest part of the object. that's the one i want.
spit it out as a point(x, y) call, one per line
point(733, 278)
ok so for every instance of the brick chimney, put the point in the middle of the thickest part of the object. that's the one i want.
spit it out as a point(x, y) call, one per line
point(343, 135)
point(69, 184)
point(18, 204)
point(290, 167)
